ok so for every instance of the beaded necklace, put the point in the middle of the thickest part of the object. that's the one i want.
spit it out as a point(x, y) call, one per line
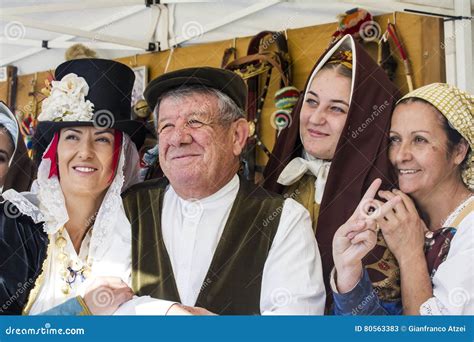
point(71, 269)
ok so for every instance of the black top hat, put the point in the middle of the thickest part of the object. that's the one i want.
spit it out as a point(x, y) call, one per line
point(110, 88)
point(225, 81)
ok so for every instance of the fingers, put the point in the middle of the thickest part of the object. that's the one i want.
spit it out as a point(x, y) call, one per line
point(386, 195)
point(178, 310)
point(122, 295)
point(400, 207)
point(407, 201)
point(390, 214)
point(371, 224)
point(387, 208)
point(367, 236)
point(203, 312)
point(372, 190)
point(351, 227)
point(365, 207)
point(360, 226)
point(198, 311)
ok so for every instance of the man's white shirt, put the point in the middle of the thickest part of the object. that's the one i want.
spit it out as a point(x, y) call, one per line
point(292, 276)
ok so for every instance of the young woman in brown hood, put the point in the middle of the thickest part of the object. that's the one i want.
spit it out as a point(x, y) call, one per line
point(336, 146)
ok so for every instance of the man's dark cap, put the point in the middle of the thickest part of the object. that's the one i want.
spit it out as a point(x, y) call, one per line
point(225, 81)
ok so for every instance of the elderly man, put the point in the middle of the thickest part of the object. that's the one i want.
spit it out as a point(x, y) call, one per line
point(204, 237)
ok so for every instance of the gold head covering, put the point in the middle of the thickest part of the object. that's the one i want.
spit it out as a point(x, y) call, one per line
point(343, 57)
point(458, 108)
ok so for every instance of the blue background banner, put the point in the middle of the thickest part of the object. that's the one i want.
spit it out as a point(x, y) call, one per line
point(158, 328)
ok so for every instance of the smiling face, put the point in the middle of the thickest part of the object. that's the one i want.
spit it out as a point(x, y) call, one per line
point(85, 156)
point(6, 152)
point(197, 152)
point(324, 113)
point(419, 149)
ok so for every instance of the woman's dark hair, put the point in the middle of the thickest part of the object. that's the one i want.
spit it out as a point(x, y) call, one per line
point(341, 69)
point(454, 137)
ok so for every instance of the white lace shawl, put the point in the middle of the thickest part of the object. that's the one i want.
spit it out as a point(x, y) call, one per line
point(45, 202)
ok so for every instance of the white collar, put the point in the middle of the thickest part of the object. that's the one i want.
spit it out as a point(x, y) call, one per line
point(226, 193)
point(456, 211)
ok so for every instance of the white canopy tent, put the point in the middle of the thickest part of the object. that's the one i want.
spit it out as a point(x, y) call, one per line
point(37, 32)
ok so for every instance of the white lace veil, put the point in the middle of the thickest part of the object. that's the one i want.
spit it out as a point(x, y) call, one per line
point(45, 202)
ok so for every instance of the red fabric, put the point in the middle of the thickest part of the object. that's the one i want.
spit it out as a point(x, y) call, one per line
point(51, 154)
point(437, 248)
point(118, 135)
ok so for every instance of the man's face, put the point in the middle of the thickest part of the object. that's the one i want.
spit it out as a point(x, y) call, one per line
point(197, 152)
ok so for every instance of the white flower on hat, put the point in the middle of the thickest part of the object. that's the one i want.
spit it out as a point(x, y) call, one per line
point(67, 101)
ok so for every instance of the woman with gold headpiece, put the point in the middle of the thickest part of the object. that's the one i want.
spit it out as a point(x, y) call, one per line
point(428, 223)
point(335, 147)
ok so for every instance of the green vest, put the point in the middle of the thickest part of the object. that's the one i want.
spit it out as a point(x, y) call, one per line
point(233, 282)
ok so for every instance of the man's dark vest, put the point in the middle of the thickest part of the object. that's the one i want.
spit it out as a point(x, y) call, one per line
point(233, 282)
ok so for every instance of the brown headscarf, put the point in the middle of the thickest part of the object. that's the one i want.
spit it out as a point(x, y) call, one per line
point(21, 171)
point(360, 157)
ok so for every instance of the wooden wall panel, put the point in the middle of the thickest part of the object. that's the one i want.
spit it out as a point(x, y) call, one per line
point(421, 36)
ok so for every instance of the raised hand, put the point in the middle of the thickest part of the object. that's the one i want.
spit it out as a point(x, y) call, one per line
point(357, 237)
point(357, 223)
point(402, 227)
point(353, 240)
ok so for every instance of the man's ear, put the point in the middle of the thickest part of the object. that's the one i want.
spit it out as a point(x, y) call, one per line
point(240, 132)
